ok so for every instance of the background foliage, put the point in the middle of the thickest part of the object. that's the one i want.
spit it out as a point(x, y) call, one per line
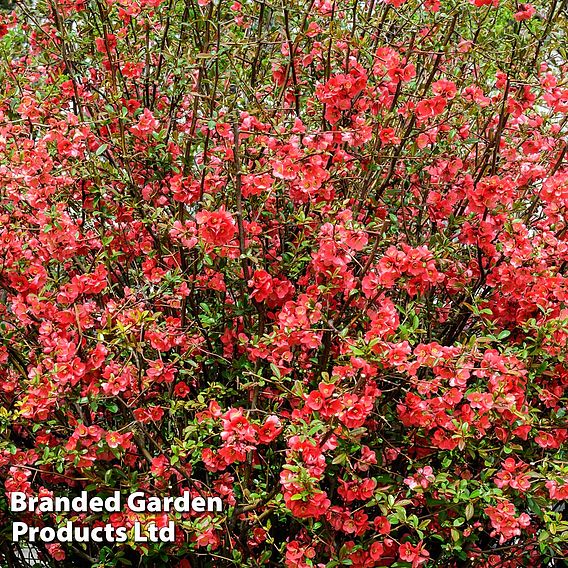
point(307, 256)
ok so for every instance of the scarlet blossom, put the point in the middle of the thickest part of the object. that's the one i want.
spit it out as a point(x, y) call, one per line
point(432, 5)
point(232, 453)
point(153, 413)
point(216, 227)
point(132, 70)
point(159, 465)
point(483, 401)
point(296, 552)
point(18, 480)
point(388, 136)
point(416, 555)
point(261, 284)
point(421, 479)
point(326, 389)
point(504, 522)
point(525, 12)
point(339, 91)
point(106, 44)
point(353, 490)
point(236, 427)
point(480, 3)
point(513, 474)
point(445, 88)
point(213, 461)
point(56, 551)
point(376, 551)
point(368, 458)
point(146, 125)
point(182, 389)
point(224, 129)
point(313, 505)
point(116, 440)
point(207, 536)
point(382, 525)
point(557, 490)
point(271, 428)
point(256, 184)
point(315, 400)
point(429, 108)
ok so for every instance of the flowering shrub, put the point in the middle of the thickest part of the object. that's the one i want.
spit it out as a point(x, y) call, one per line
point(308, 257)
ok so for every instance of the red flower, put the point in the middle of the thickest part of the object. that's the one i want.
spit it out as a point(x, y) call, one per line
point(305, 507)
point(382, 525)
point(269, 430)
point(513, 474)
point(480, 3)
point(56, 551)
point(525, 12)
point(236, 427)
point(106, 44)
point(429, 108)
point(504, 522)
point(376, 551)
point(181, 389)
point(416, 555)
point(261, 284)
point(216, 227)
point(315, 400)
point(146, 125)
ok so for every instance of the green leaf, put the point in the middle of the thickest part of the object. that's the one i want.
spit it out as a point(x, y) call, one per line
point(276, 371)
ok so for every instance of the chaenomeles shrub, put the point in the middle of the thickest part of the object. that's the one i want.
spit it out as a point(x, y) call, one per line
point(310, 257)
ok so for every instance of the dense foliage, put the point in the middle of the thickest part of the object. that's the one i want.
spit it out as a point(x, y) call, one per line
point(308, 256)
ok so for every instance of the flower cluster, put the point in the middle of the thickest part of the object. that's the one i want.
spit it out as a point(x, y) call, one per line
point(309, 258)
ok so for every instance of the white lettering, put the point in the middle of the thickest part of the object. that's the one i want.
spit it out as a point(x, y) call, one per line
point(214, 504)
point(47, 534)
point(18, 501)
point(79, 504)
point(181, 504)
point(120, 534)
point(18, 529)
point(198, 505)
point(167, 534)
point(96, 504)
point(96, 534)
point(136, 502)
point(138, 536)
point(112, 504)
